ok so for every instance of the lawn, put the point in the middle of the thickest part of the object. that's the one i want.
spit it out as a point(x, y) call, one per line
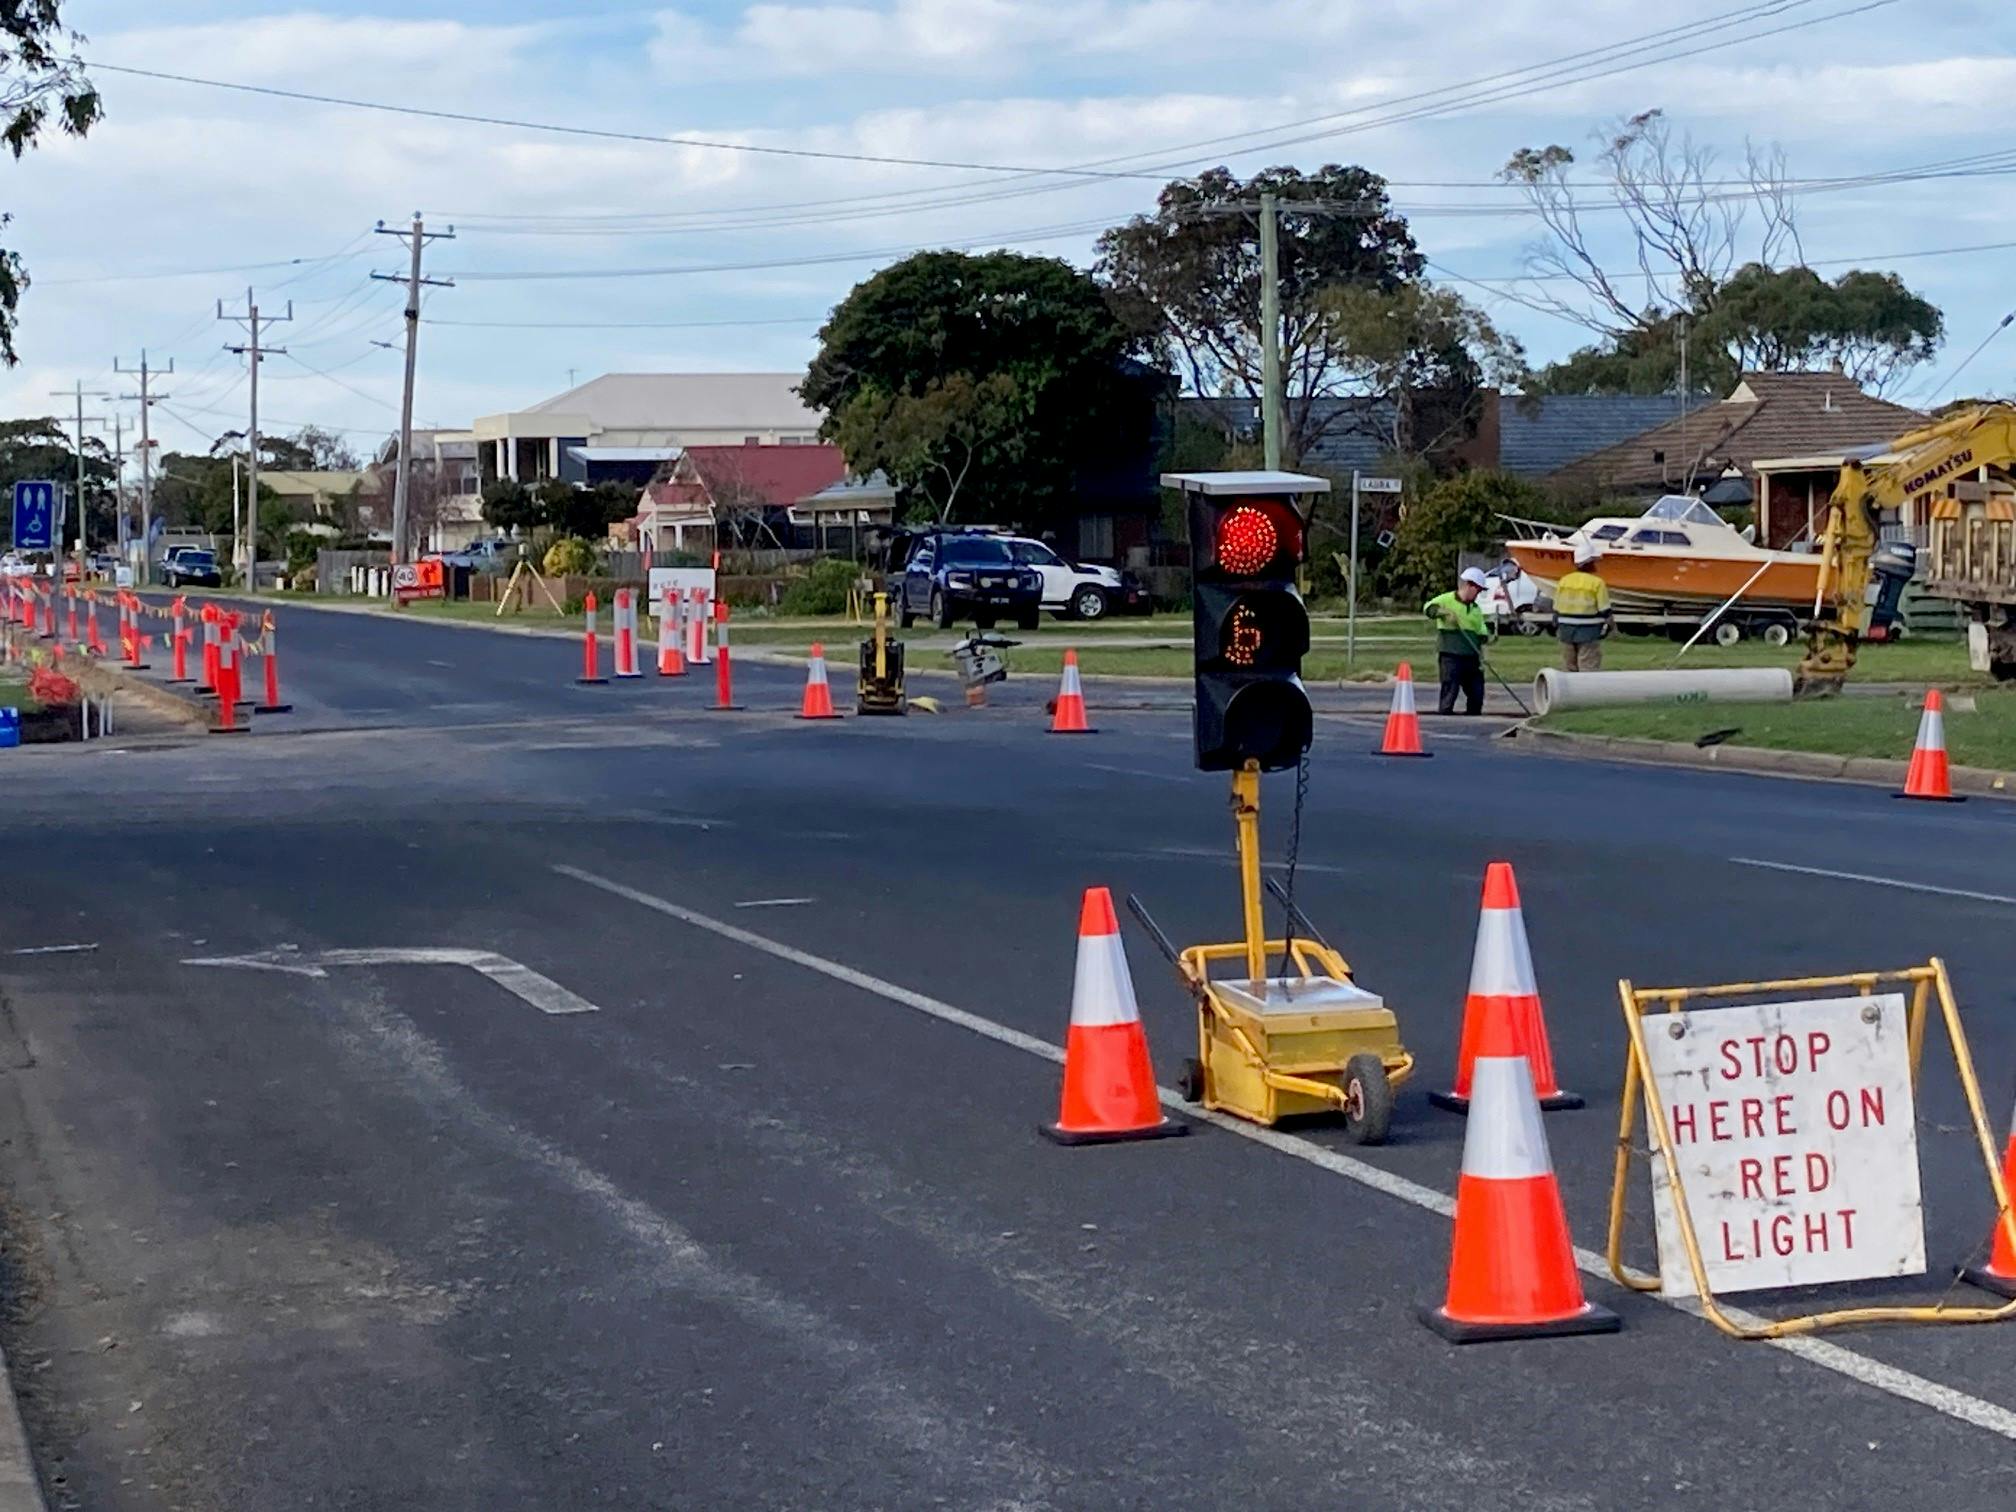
point(1984, 736)
point(1160, 646)
point(14, 695)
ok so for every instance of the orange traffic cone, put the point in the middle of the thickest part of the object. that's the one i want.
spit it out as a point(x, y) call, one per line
point(1403, 724)
point(1109, 1087)
point(818, 696)
point(1070, 706)
point(1999, 1274)
point(1928, 777)
point(1501, 973)
point(1511, 1263)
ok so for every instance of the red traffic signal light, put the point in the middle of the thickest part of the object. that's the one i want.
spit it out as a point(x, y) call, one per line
point(1257, 538)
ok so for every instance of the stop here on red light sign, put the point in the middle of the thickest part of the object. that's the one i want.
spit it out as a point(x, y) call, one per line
point(1793, 1128)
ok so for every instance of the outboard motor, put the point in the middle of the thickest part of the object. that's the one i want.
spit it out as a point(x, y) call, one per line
point(1891, 566)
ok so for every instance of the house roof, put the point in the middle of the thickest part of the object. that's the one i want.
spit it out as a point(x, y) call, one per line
point(1766, 415)
point(309, 484)
point(774, 475)
point(687, 401)
point(1538, 433)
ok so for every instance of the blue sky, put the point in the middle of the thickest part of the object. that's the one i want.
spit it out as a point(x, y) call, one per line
point(178, 198)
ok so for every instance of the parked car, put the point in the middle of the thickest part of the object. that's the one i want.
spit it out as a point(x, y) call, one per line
point(951, 575)
point(483, 556)
point(14, 565)
point(1077, 590)
point(188, 567)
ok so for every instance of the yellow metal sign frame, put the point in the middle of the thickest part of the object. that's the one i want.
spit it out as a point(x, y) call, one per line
point(1926, 983)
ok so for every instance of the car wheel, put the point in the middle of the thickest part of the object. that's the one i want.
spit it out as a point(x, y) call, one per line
point(1088, 603)
point(904, 618)
point(1028, 619)
point(941, 611)
point(983, 621)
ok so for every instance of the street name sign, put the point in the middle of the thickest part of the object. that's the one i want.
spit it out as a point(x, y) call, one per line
point(1793, 1129)
point(34, 516)
point(1378, 485)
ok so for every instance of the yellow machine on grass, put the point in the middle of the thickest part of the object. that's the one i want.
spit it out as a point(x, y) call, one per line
point(1973, 546)
point(1309, 1040)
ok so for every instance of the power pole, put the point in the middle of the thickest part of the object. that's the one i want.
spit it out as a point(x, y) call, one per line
point(416, 241)
point(147, 398)
point(252, 320)
point(80, 394)
point(1270, 332)
point(119, 483)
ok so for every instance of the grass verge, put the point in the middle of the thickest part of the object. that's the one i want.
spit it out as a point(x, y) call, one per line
point(1983, 736)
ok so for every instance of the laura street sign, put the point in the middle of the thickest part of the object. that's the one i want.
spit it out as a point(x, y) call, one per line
point(34, 516)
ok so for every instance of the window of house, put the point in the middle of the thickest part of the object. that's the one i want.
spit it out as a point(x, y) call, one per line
point(752, 440)
point(1095, 536)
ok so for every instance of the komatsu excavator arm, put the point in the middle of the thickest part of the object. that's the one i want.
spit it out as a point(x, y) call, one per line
point(1984, 436)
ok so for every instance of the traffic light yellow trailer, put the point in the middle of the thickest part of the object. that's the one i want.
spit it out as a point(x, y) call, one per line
point(1307, 1041)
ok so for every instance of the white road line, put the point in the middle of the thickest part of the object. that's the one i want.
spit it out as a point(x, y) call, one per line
point(34, 950)
point(1897, 882)
point(521, 981)
point(1902, 1384)
point(776, 902)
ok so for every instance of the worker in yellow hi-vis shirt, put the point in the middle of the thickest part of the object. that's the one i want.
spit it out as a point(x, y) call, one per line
point(1582, 613)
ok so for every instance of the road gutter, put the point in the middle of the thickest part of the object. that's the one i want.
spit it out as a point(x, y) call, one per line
point(1810, 766)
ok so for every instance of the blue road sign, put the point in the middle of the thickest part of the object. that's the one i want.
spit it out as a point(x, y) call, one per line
point(34, 516)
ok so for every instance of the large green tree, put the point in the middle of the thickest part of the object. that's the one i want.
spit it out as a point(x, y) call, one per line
point(1698, 271)
point(980, 383)
point(1193, 269)
point(41, 85)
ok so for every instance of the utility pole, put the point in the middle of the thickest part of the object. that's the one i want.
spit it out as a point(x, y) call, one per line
point(1270, 332)
point(147, 398)
point(80, 394)
point(119, 484)
point(416, 241)
point(252, 321)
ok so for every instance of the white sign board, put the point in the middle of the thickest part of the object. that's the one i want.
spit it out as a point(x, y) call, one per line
point(1377, 485)
point(1793, 1128)
point(685, 579)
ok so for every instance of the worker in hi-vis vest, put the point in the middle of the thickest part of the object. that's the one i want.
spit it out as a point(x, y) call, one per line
point(1461, 631)
point(1582, 613)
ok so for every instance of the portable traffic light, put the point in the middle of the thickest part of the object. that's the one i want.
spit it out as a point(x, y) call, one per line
point(1248, 534)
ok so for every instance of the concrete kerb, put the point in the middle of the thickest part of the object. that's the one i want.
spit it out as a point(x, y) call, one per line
point(1809, 766)
point(20, 1487)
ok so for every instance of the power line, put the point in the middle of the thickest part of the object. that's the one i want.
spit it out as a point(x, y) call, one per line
point(1727, 22)
point(1954, 377)
point(627, 325)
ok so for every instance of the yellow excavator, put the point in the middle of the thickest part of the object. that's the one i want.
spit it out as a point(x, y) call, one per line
point(1972, 550)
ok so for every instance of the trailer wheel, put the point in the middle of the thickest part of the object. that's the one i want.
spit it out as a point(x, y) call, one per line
point(1727, 632)
point(1776, 634)
point(1368, 1100)
point(1190, 1080)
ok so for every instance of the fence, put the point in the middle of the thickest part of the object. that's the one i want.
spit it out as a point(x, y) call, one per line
point(333, 568)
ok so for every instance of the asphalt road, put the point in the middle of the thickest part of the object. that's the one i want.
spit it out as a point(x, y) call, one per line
point(771, 1227)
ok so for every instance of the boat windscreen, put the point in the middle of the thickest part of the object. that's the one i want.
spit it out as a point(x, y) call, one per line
point(1681, 508)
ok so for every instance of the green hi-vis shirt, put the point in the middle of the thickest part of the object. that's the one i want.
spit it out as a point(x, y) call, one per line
point(1463, 626)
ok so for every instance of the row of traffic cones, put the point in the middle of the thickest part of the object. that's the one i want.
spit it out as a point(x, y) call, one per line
point(1512, 1270)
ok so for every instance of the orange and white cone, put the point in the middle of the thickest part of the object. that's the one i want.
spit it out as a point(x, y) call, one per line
point(1069, 718)
point(1512, 1268)
point(1403, 723)
point(671, 631)
point(818, 694)
point(1501, 975)
point(1109, 1086)
point(1928, 776)
point(1999, 1274)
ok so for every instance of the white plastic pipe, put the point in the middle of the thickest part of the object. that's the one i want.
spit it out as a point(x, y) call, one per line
point(1555, 690)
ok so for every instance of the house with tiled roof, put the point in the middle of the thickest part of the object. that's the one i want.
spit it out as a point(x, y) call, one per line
point(768, 489)
point(1767, 417)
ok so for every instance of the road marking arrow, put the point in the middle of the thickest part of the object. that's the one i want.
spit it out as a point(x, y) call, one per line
point(521, 981)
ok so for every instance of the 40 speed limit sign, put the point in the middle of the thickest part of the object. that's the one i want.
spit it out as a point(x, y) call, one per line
point(1794, 1133)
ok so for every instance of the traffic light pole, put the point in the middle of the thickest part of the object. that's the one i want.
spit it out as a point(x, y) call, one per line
point(1246, 811)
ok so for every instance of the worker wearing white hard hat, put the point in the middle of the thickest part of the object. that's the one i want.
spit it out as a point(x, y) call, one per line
point(1582, 615)
point(1462, 631)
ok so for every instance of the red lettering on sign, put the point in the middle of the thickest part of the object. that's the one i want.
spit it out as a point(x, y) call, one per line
point(1818, 1043)
point(1781, 1175)
point(1872, 1107)
point(1847, 1217)
point(1753, 1117)
point(1782, 1234)
point(1816, 1233)
point(1750, 1175)
point(1785, 1054)
point(1684, 1131)
point(1729, 1250)
point(1782, 1104)
point(1732, 1061)
point(1819, 1174)
point(1718, 1122)
point(1838, 1109)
